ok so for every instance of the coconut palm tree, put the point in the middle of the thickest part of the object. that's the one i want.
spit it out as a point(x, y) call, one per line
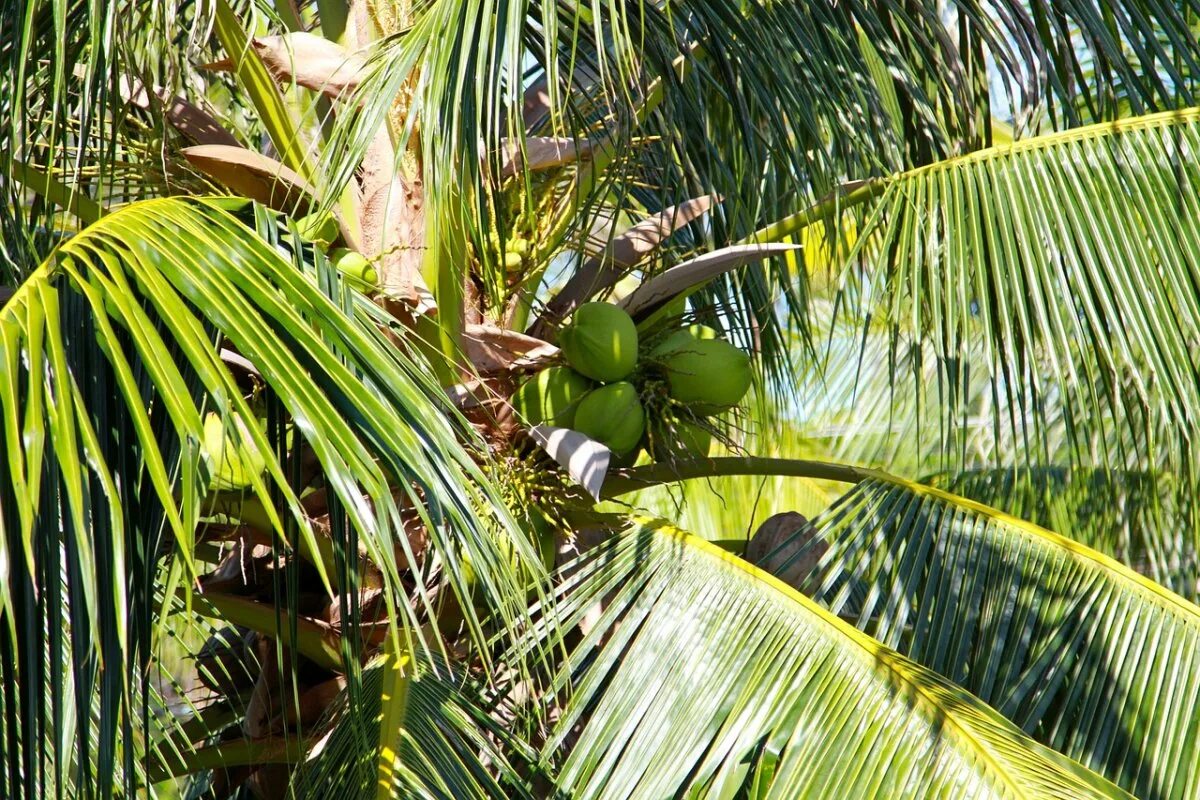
point(309, 487)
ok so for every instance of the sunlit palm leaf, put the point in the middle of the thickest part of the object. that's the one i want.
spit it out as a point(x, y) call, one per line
point(1061, 267)
point(1144, 520)
point(107, 358)
point(654, 82)
point(707, 677)
point(1084, 654)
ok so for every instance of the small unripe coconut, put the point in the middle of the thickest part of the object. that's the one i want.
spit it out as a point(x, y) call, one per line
point(680, 440)
point(613, 416)
point(318, 227)
point(355, 268)
point(709, 375)
point(512, 261)
point(601, 342)
point(683, 339)
point(550, 397)
point(235, 462)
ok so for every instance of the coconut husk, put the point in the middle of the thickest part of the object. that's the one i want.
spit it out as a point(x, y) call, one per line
point(190, 120)
point(311, 61)
point(312, 703)
point(254, 175)
point(781, 546)
point(540, 153)
point(226, 662)
point(242, 570)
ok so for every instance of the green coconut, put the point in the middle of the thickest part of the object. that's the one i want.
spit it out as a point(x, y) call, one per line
point(236, 462)
point(613, 416)
point(709, 375)
point(680, 440)
point(317, 227)
point(601, 342)
point(355, 268)
point(550, 397)
point(683, 339)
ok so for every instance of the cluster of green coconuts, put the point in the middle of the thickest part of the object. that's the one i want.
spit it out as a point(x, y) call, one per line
point(597, 391)
point(517, 252)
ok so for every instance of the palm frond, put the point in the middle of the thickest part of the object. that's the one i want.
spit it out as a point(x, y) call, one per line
point(1142, 519)
point(864, 398)
point(110, 356)
point(769, 694)
point(1063, 269)
point(451, 747)
point(676, 100)
point(1085, 655)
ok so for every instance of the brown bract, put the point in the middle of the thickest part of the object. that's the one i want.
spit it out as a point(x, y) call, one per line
point(493, 349)
point(308, 60)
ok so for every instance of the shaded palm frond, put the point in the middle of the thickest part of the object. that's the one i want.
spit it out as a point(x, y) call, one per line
point(867, 399)
point(1082, 653)
point(1144, 520)
point(108, 361)
point(450, 747)
point(766, 695)
point(70, 105)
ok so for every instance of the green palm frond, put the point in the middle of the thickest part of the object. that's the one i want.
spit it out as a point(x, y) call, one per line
point(1082, 653)
point(865, 399)
point(1062, 269)
point(451, 747)
point(109, 357)
point(692, 99)
point(767, 695)
point(1142, 519)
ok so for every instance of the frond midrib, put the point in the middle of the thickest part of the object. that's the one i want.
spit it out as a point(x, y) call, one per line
point(1160, 594)
point(874, 187)
point(874, 651)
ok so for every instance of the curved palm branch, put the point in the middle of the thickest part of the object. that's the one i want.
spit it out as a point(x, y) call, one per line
point(1081, 652)
point(1027, 258)
point(768, 696)
point(1141, 519)
point(109, 359)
